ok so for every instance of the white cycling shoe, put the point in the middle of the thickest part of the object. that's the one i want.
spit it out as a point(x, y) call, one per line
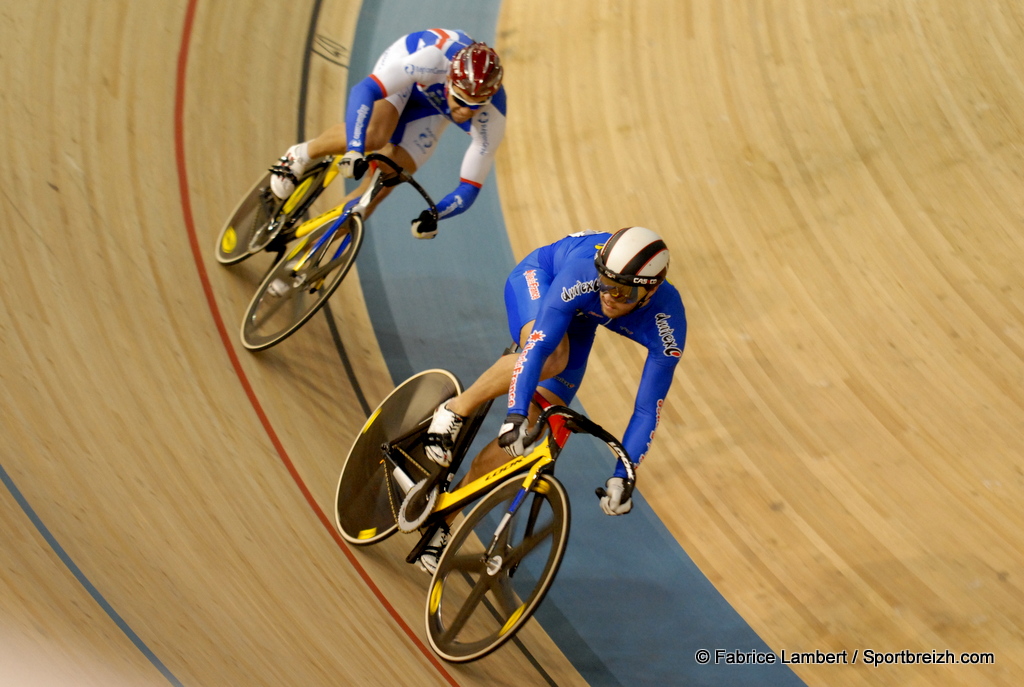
point(285, 174)
point(444, 429)
point(432, 553)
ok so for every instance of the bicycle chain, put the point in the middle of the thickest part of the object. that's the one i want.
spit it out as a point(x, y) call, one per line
point(391, 490)
point(412, 460)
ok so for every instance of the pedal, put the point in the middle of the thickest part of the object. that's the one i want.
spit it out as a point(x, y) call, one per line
point(427, 535)
point(278, 288)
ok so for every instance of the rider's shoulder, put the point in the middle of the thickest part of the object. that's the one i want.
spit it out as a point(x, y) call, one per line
point(584, 240)
point(575, 276)
point(446, 41)
point(667, 298)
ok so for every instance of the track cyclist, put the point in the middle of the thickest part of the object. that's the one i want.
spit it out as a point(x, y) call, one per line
point(555, 299)
point(419, 85)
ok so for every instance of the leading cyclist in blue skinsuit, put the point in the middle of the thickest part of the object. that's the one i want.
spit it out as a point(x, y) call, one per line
point(423, 82)
point(556, 298)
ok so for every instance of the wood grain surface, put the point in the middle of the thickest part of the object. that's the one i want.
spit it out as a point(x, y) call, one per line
point(839, 184)
point(840, 453)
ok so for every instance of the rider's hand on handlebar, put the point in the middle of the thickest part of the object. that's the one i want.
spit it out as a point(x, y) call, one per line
point(353, 165)
point(512, 434)
point(611, 502)
point(424, 226)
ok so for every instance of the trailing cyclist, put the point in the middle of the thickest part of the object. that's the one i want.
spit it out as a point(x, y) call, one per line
point(555, 299)
point(419, 85)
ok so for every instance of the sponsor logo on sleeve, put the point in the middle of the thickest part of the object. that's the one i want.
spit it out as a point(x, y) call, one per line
point(416, 70)
point(578, 289)
point(650, 437)
point(667, 334)
point(534, 337)
point(456, 203)
point(532, 284)
point(480, 122)
point(361, 114)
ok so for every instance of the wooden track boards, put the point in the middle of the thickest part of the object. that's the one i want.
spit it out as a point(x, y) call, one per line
point(839, 183)
point(841, 451)
point(127, 425)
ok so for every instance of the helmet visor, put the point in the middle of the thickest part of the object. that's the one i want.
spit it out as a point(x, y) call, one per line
point(620, 293)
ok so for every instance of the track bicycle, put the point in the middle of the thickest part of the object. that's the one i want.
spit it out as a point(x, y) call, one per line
point(304, 276)
point(504, 554)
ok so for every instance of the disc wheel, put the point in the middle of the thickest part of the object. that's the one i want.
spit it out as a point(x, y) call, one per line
point(248, 224)
point(369, 495)
point(261, 217)
point(478, 602)
point(291, 293)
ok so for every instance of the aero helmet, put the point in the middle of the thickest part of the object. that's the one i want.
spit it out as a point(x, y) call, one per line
point(634, 256)
point(476, 71)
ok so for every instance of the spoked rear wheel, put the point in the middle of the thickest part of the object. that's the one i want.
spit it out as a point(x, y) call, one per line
point(477, 603)
point(369, 494)
point(288, 297)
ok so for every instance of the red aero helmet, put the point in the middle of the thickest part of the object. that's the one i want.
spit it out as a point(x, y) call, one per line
point(635, 256)
point(476, 71)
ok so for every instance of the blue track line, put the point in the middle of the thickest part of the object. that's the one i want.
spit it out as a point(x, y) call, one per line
point(83, 580)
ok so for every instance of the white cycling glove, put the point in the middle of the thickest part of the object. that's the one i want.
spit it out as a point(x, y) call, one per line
point(353, 165)
point(611, 502)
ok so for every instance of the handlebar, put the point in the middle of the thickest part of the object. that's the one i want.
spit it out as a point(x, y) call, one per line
point(578, 423)
point(401, 176)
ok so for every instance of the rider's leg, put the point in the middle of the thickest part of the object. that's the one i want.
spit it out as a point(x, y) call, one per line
point(492, 456)
point(524, 290)
point(496, 380)
point(330, 142)
point(401, 158)
point(409, 137)
point(448, 418)
point(333, 141)
point(559, 389)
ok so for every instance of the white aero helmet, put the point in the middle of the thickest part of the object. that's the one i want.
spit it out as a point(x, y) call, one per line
point(634, 256)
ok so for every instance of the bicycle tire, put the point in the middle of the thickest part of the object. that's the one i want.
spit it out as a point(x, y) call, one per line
point(270, 318)
point(239, 237)
point(249, 216)
point(368, 498)
point(472, 611)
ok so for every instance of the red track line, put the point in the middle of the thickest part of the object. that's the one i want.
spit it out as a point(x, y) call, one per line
point(186, 207)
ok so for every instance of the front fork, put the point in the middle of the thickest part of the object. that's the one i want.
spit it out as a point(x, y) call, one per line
point(532, 477)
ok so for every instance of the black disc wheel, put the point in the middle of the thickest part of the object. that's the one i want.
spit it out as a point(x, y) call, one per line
point(387, 457)
point(251, 224)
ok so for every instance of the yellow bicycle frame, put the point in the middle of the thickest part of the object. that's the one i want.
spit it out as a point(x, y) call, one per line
point(539, 458)
point(300, 193)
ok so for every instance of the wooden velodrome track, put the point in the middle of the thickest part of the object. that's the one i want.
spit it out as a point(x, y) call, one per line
point(841, 451)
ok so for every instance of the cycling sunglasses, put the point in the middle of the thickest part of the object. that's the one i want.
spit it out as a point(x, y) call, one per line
point(620, 293)
point(461, 101)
